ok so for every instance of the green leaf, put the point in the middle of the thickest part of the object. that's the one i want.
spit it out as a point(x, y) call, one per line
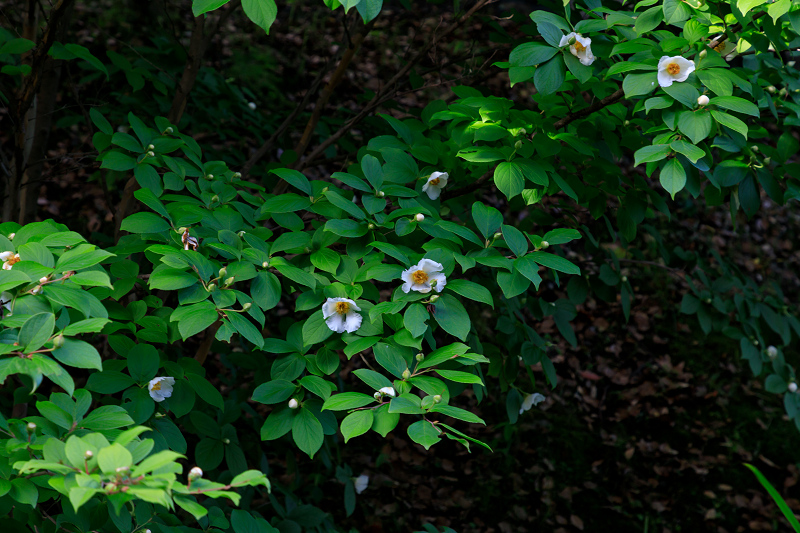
point(415, 319)
point(455, 412)
point(17, 46)
point(424, 433)
point(262, 12)
point(193, 319)
point(639, 84)
point(171, 279)
point(144, 223)
point(555, 262)
point(656, 152)
point(78, 354)
point(204, 6)
point(307, 432)
point(285, 203)
point(109, 382)
point(471, 290)
point(83, 53)
point(734, 103)
point(459, 377)
point(35, 331)
point(695, 124)
point(265, 289)
point(561, 236)
point(110, 458)
point(782, 505)
point(549, 76)
point(692, 152)
point(246, 328)
point(451, 316)
point(730, 121)
point(649, 20)
point(106, 417)
point(673, 177)
point(356, 424)
point(684, 93)
point(346, 228)
point(374, 379)
point(115, 160)
point(676, 11)
point(315, 329)
point(317, 385)
point(143, 362)
point(383, 421)
point(531, 54)
point(487, 219)
point(509, 179)
point(746, 5)
point(369, 9)
point(347, 400)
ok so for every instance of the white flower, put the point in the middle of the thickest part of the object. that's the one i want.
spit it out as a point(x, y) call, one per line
point(702, 100)
point(252, 105)
point(388, 391)
point(420, 217)
point(531, 400)
point(9, 259)
point(361, 483)
point(436, 182)
point(293, 404)
point(675, 68)
point(161, 389)
point(772, 352)
point(792, 387)
point(424, 275)
point(581, 47)
point(340, 315)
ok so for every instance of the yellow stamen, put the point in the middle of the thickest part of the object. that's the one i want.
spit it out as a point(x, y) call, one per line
point(419, 277)
point(434, 181)
point(156, 386)
point(720, 47)
point(674, 69)
point(579, 47)
point(13, 259)
point(342, 307)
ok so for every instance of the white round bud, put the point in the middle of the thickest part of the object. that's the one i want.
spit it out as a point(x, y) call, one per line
point(31, 427)
point(151, 154)
point(771, 89)
point(792, 387)
point(377, 395)
point(371, 226)
point(420, 217)
point(545, 244)
point(703, 53)
point(151, 147)
point(252, 105)
point(11, 236)
point(293, 404)
point(434, 298)
point(88, 454)
point(169, 130)
point(247, 306)
point(772, 352)
point(381, 194)
point(43, 279)
point(702, 100)
point(195, 473)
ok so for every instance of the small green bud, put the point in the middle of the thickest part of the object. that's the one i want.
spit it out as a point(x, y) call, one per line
point(195, 473)
point(223, 272)
point(771, 89)
point(545, 244)
point(88, 454)
point(381, 194)
point(420, 357)
point(624, 279)
point(498, 235)
point(237, 175)
point(434, 298)
point(437, 398)
point(160, 415)
point(151, 154)
point(572, 40)
point(247, 306)
point(226, 441)
point(151, 147)
point(518, 145)
point(767, 161)
point(754, 148)
point(626, 123)
point(211, 287)
point(169, 130)
point(755, 342)
point(31, 427)
point(703, 53)
point(241, 233)
point(265, 264)
point(371, 226)
point(210, 177)
point(214, 199)
point(58, 341)
point(183, 229)
point(229, 281)
point(324, 190)
point(433, 283)
point(406, 374)
point(122, 469)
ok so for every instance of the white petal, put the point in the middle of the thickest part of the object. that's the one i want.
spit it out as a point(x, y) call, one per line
point(433, 192)
point(428, 266)
point(352, 304)
point(663, 62)
point(328, 308)
point(664, 79)
point(5, 255)
point(361, 483)
point(566, 38)
point(352, 322)
point(585, 41)
point(406, 287)
point(441, 281)
point(537, 398)
point(424, 288)
point(335, 323)
point(389, 391)
point(443, 181)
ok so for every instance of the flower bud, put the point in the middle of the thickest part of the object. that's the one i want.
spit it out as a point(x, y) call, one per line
point(36, 290)
point(572, 40)
point(771, 89)
point(223, 272)
point(434, 298)
point(58, 341)
point(437, 398)
point(265, 264)
point(433, 283)
point(293, 404)
point(497, 235)
point(406, 374)
point(151, 147)
point(211, 287)
point(31, 427)
point(247, 306)
point(377, 395)
point(169, 130)
point(122, 469)
point(226, 441)
point(237, 175)
point(44, 279)
point(754, 148)
point(624, 279)
point(195, 473)
point(626, 123)
point(545, 244)
point(420, 217)
point(792, 387)
point(159, 415)
point(215, 198)
point(381, 194)
point(755, 342)
point(252, 105)
point(88, 454)
point(703, 53)
point(229, 281)
point(767, 161)
point(708, 301)
point(11, 236)
point(420, 357)
point(518, 145)
point(324, 190)
point(183, 229)
point(702, 100)
point(772, 352)
point(210, 177)
point(151, 154)
point(371, 226)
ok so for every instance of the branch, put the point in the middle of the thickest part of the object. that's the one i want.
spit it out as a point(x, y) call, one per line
point(472, 187)
point(382, 94)
point(205, 346)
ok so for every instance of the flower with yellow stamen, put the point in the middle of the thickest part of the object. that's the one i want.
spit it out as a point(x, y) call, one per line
point(436, 182)
point(340, 315)
point(161, 388)
point(424, 276)
point(672, 69)
point(579, 46)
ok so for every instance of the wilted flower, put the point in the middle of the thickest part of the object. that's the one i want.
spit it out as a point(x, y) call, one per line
point(361, 483)
point(672, 69)
point(702, 100)
point(161, 388)
point(423, 276)
point(340, 315)
point(579, 46)
point(293, 404)
point(531, 400)
point(436, 182)
point(9, 259)
point(388, 391)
